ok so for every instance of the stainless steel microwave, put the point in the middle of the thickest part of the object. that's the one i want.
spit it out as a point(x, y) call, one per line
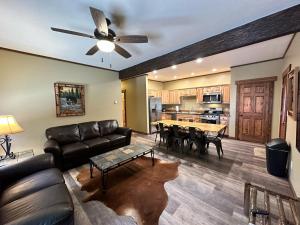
point(212, 98)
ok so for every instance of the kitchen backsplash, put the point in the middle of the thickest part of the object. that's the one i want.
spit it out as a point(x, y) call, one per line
point(190, 104)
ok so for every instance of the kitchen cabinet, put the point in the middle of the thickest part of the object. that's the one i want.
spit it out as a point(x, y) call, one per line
point(165, 97)
point(207, 90)
point(188, 117)
point(174, 97)
point(226, 94)
point(224, 119)
point(188, 92)
point(154, 93)
point(199, 95)
point(166, 116)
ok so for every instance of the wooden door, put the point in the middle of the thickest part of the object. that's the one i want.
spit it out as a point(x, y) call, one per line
point(254, 109)
point(283, 112)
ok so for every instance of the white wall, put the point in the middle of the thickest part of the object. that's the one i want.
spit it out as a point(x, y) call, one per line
point(293, 57)
point(258, 70)
point(27, 92)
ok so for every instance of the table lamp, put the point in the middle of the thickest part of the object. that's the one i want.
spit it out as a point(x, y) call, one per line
point(8, 125)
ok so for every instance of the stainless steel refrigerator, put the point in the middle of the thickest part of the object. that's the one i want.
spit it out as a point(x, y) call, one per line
point(155, 109)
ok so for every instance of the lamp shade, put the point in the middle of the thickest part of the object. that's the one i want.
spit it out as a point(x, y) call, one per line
point(9, 125)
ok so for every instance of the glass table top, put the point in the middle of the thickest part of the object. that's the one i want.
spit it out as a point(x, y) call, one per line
point(112, 158)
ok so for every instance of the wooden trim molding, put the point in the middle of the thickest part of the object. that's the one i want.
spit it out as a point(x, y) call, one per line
point(52, 58)
point(276, 25)
point(257, 80)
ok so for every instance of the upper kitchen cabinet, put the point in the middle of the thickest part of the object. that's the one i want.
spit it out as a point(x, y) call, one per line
point(174, 97)
point(226, 94)
point(165, 97)
point(188, 92)
point(154, 93)
point(199, 95)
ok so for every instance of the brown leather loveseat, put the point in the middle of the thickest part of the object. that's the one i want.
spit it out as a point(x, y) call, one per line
point(72, 145)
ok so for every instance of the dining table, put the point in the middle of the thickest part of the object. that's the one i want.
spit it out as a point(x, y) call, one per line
point(207, 127)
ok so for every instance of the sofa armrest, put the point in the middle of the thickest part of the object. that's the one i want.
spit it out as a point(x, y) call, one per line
point(25, 168)
point(51, 146)
point(126, 132)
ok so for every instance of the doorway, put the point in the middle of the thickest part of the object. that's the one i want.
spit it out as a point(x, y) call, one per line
point(124, 117)
point(254, 109)
point(283, 111)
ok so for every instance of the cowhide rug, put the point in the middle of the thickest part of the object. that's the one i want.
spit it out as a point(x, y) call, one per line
point(135, 189)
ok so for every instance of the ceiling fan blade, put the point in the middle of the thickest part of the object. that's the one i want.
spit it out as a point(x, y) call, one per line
point(72, 32)
point(118, 17)
point(122, 51)
point(132, 39)
point(99, 20)
point(93, 50)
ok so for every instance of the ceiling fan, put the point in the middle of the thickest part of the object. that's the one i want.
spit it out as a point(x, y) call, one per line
point(107, 38)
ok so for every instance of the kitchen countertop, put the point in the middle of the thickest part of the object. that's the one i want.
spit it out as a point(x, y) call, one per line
point(183, 112)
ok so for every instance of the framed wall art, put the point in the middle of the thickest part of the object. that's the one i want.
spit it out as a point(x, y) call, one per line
point(69, 99)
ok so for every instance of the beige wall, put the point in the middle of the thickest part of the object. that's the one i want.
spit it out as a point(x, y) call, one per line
point(293, 57)
point(26, 90)
point(258, 70)
point(201, 81)
point(155, 85)
point(137, 103)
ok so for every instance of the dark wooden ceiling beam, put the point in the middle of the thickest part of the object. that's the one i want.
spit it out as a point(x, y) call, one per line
point(269, 27)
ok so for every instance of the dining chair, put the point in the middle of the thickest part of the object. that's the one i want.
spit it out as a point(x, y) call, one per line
point(217, 141)
point(156, 132)
point(196, 137)
point(164, 134)
point(178, 137)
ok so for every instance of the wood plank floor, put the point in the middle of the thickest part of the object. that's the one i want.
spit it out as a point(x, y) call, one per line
point(207, 190)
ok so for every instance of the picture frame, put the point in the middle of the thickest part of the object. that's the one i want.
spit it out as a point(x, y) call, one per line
point(292, 87)
point(69, 99)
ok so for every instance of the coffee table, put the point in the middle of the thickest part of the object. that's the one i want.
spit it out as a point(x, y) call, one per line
point(116, 158)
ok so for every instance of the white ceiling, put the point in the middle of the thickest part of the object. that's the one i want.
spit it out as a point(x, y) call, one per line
point(170, 24)
point(267, 50)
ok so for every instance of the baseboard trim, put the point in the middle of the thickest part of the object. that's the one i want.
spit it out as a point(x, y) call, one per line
point(293, 190)
point(140, 132)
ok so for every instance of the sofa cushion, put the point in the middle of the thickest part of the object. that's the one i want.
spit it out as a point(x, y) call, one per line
point(50, 205)
point(30, 184)
point(64, 134)
point(97, 143)
point(108, 126)
point(116, 138)
point(88, 130)
point(76, 150)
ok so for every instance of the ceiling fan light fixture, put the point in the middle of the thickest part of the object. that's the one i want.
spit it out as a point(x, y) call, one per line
point(105, 45)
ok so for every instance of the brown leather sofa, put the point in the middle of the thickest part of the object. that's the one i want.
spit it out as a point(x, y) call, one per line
point(34, 192)
point(72, 145)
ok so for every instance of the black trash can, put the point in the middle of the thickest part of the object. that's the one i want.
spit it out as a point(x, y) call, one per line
point(277, 152)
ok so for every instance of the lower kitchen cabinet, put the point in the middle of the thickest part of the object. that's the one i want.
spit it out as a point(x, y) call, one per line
point(224, 119)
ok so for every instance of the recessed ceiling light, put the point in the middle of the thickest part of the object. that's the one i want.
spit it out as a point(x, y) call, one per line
point(174, 67)
point(154, 71)
point(214, 69)
point(193, 74)
point(175, 77)
point(156, 77)
point(199, 60)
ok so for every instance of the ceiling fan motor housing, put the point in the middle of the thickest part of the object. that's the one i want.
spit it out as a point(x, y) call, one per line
point(110, 37)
